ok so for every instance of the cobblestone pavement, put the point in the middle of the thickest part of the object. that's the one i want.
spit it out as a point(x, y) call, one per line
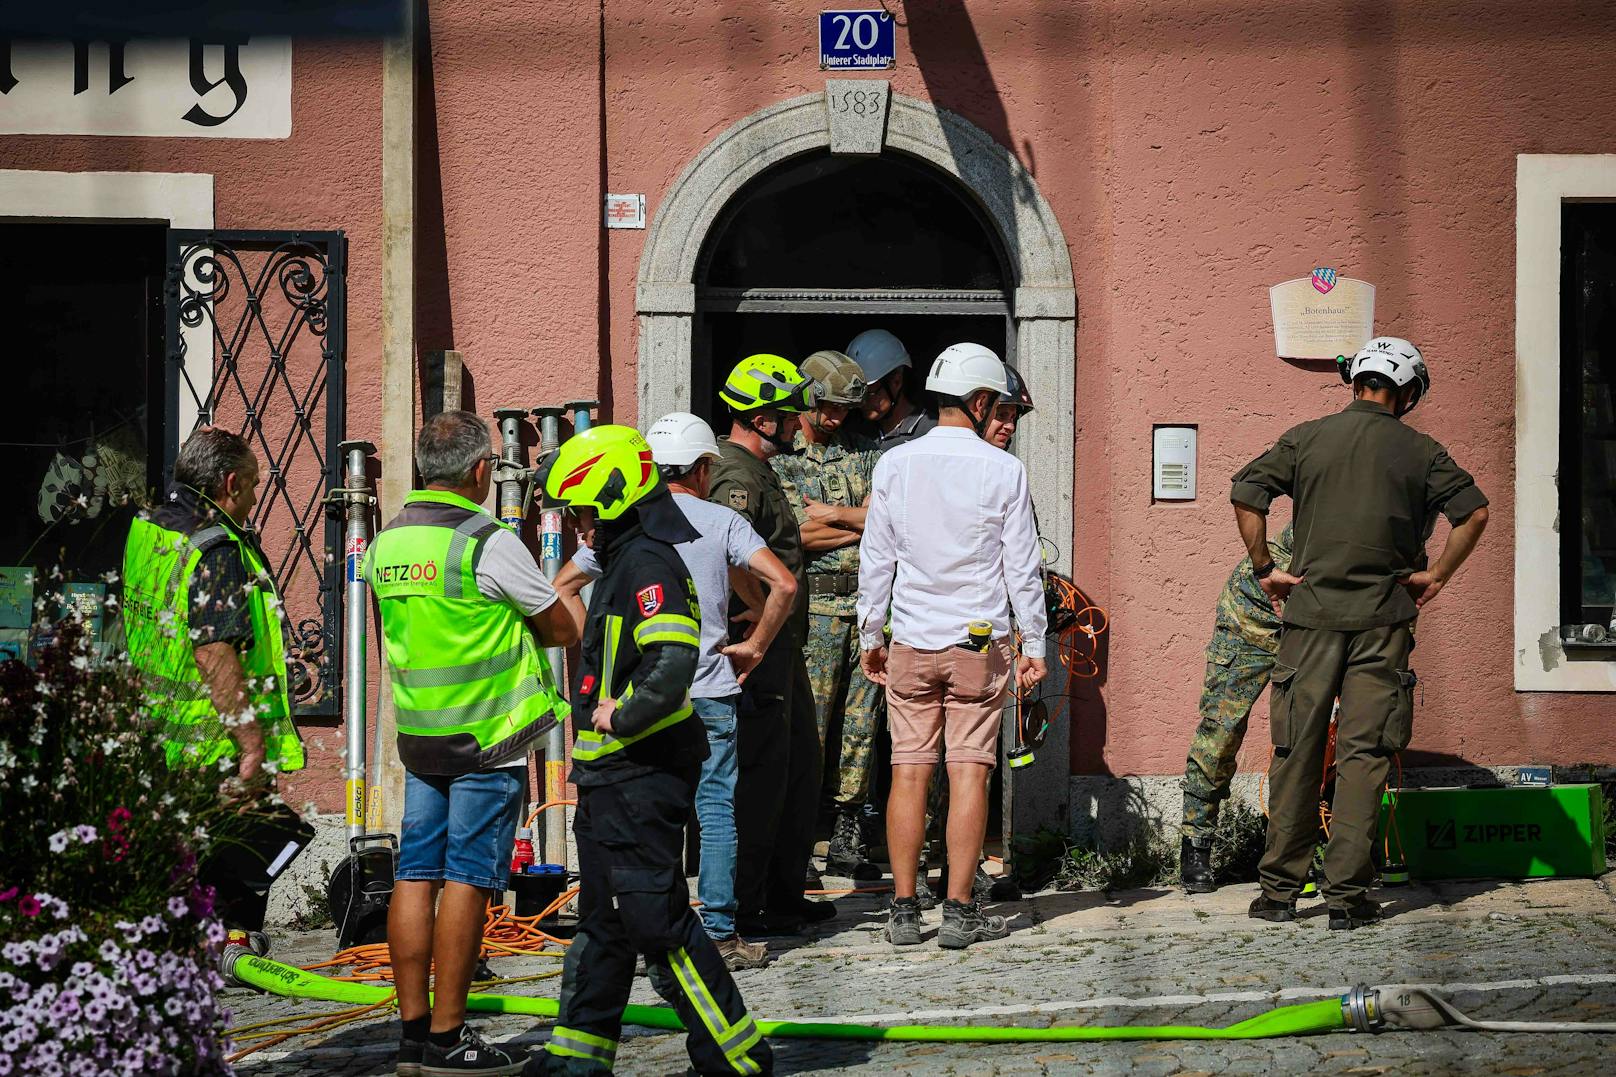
point(1537, 951)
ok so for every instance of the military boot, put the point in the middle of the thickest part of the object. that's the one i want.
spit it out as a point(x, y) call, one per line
point(846, 855)
point(1195, 867)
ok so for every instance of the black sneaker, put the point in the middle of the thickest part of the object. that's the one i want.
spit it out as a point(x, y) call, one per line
point(806, 911)
point(1278, 912)
point(965, 923)
point(923, 891)
point(410, 1053)
point(1195, 867)
point(1361, 914)
point(903, 922)
point(472, 1055)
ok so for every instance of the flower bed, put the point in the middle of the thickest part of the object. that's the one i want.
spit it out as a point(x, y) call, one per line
point(108, 944)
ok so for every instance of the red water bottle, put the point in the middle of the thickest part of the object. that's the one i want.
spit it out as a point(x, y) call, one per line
point(523, 855)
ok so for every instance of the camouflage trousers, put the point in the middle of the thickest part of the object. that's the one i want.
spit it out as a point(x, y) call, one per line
point(842, 690)
point(1236, 674)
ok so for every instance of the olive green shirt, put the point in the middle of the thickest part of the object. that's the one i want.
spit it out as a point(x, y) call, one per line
point(742, 482)
point(836, 472)
point(1367, 490)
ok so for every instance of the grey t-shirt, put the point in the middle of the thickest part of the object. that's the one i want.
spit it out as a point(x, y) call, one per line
point(726, 539)
point(506, 572)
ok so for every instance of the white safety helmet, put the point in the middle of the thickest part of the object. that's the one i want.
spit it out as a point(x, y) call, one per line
point(1397, 359)
point(878, 353)
point(679, 439)
point(963, 369)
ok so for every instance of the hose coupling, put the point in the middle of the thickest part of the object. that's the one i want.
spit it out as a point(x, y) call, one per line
point(232, 953)
point(1360, 1009)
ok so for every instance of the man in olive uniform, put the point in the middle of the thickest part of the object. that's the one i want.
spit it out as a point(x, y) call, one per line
point(1367, 490)
point(1245, 637)
point(636, 761)
point(776, 739)
point(827, 480)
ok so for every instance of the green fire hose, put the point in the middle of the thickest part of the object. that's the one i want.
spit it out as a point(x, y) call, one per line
point(1327, 1015)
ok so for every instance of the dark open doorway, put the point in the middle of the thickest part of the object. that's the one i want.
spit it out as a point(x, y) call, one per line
point(820, 248)
point(84, 377)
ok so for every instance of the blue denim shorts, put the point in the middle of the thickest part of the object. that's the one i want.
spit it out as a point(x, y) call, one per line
point(460, 828)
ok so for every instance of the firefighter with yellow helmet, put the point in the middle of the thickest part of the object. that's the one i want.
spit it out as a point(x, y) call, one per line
point(636, 760)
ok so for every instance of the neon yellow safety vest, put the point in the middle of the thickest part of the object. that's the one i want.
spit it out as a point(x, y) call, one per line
point(159, 570)
point(471, 687)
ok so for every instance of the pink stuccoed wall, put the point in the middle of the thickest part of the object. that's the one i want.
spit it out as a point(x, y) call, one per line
point(1194, 153)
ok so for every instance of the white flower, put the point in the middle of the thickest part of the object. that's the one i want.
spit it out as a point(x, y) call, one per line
point(58, 841)
point(109, 745)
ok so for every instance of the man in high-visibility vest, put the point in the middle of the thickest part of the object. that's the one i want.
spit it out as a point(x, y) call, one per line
point(462, 601)
point(203, 625)
point(637, 761)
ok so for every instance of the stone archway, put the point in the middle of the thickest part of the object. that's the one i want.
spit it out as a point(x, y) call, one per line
point(1044, 303)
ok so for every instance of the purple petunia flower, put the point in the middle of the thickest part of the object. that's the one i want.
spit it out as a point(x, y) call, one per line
point(178, 907)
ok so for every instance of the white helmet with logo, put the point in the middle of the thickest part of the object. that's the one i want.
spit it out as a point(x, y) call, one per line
point(963, 369)
point(1397, 359)
point(679, 439)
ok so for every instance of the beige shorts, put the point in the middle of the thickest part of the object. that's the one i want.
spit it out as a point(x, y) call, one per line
point(953, 696)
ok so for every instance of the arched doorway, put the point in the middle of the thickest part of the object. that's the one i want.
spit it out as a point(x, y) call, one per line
point(820, 248)
point(1012, 285)
point(780, 151)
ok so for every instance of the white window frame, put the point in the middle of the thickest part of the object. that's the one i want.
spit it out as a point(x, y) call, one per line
point(1543, 183)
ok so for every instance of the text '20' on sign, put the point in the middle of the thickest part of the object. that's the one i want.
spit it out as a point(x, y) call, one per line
point(856, 40)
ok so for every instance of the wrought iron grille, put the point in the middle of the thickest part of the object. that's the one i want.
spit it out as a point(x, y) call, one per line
point(269, 308)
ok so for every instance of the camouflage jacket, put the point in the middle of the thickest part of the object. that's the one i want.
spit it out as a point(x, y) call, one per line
point(835, 473)
point(1246, 619)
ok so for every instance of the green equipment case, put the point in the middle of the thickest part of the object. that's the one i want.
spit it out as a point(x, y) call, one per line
point(1514, 832)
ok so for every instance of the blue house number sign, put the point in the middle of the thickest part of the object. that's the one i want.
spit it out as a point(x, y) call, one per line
point(856, 40)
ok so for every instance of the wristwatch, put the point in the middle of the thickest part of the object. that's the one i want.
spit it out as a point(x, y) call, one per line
point(1264, 572)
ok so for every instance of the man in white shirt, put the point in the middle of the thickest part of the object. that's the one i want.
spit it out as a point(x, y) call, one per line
point(949, 541)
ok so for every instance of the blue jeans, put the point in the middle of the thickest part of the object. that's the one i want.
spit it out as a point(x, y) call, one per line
point(460, 828)
point(715, 812)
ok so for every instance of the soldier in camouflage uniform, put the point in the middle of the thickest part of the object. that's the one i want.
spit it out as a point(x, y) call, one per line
point(826, 479)
point(1245, 638)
